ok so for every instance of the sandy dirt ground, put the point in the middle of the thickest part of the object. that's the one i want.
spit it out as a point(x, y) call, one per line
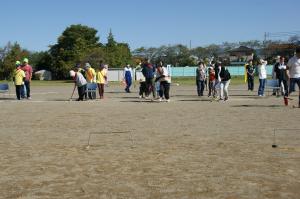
point(187, 148)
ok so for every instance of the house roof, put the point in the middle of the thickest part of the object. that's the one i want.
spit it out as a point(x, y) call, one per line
point(281, 46)
point(241, 49)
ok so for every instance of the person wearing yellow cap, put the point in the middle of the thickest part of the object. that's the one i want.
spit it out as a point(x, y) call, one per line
point(18, 78)
point(28, 73)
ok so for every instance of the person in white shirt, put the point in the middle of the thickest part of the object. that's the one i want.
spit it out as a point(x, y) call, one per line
point(262, 73)
point(164, 78)
point(293, 68)
point(80, 82)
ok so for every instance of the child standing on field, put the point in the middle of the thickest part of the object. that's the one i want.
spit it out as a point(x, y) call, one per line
point(101, 78)
point(211, 82)
point(19, 78)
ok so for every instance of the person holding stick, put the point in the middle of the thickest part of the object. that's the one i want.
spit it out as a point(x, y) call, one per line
point(80, 83)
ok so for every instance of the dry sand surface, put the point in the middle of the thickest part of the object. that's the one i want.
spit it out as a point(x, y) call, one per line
point(188, 148)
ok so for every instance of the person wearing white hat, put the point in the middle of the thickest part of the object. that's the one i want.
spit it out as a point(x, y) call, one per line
point(80, 82)
point(262, 74)
point(128, 76)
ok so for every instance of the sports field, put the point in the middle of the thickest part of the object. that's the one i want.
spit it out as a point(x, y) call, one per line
point(188, 148)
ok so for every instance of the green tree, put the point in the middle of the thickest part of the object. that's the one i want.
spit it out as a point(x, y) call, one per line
point(95, 56)
point(72, 47)
point(9, 55)
point(41, 60)
point(116, 54)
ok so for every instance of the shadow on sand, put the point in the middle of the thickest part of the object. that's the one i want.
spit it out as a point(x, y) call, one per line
point(256, 106)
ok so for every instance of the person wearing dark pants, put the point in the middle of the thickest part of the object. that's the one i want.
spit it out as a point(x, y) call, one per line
point(250, 80)
point(200, 87)
point(200, 78)
point(18, 78)
point(18, 91)
point(23, 91)
point(81, 92)
point(143, 89)
point(150, 84)
point(281, 75)
point(80, 82)
point(293, 67)
point(164, 79)
point(250, 75)
point(262, 74)
point(27, 86)
point(101, 78)
point(148, 72)
point(164, 90)
point(211, 81)
point(28, 72)
point(101, 90)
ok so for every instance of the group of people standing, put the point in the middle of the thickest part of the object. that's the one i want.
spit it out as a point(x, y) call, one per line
point(88, 75)
point(216, 76)
point(287, 74)
point(262, 75)
point(22, 78)
point(155, 80)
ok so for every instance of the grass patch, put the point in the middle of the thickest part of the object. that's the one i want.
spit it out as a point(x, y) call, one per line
point(235, 80)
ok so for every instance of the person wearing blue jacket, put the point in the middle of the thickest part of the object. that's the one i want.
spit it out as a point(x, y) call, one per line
point(148, 71)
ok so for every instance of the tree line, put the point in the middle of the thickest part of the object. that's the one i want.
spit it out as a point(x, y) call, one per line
point(79, 44)
point(76, 45)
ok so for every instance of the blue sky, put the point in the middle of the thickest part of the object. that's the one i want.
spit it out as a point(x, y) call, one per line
point(36, 24)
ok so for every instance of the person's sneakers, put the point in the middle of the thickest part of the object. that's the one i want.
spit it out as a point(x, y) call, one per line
point(168, 100)
point(259, 95)
point(29, 98)
point(140, 97)
point(160, 99)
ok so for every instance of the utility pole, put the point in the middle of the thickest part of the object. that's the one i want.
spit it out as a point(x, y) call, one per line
point(190, 44)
